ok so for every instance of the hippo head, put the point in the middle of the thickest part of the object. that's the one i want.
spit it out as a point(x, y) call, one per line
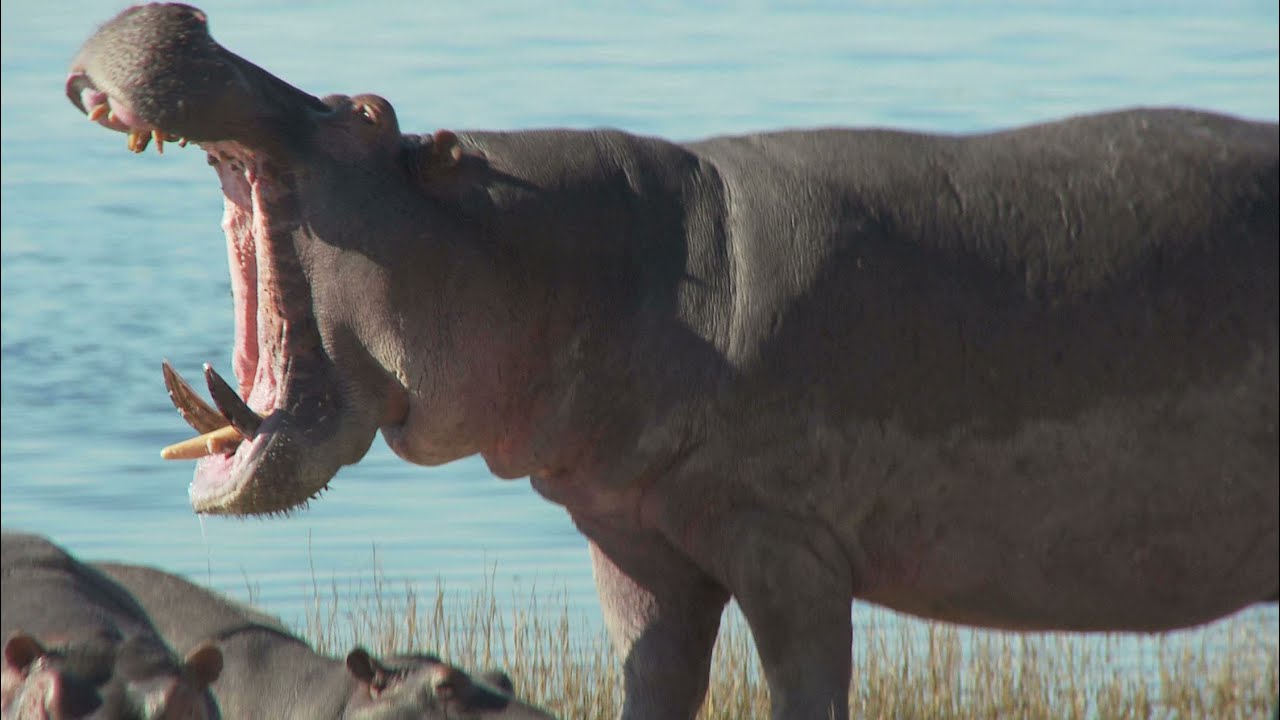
point(36, 683)
point(322, 201)
point(134, 680)
point(421, 686)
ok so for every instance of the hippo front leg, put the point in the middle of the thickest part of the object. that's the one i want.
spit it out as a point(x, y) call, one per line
point(794, 586)
point(663, 615)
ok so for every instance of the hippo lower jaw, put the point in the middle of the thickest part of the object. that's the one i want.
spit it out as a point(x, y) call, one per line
point(295, 428)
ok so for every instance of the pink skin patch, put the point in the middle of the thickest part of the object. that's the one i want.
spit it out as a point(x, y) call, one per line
point(119, 117)
point(258, 357)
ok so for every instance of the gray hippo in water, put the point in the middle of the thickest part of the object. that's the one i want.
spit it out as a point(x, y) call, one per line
point(1024, 379)
point(270, 673)
point(78, 646)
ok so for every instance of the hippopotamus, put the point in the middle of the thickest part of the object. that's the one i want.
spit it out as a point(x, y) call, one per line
point(78, 646)
point(1022, 379)
point(270, 673)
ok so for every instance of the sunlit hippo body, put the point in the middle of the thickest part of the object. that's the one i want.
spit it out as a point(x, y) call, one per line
point(1022, 380)
point(78, 646)
point(270, 673)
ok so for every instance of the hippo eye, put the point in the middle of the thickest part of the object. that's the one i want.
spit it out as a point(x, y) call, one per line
point(367, 113)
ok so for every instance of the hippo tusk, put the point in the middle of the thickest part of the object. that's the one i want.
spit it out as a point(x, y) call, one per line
point(221, 430)
point(233, 407)
point(218, 442)
point(198, 413)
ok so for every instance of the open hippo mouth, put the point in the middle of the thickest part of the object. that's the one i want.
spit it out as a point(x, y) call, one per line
point(155, 73)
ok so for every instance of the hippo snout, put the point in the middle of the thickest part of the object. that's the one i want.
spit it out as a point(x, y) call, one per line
point(155, 72)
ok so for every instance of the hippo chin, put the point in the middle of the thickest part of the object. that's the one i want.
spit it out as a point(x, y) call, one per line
point(1025, 379)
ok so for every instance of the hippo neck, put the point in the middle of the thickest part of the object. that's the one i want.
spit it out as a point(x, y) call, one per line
point(591, 233)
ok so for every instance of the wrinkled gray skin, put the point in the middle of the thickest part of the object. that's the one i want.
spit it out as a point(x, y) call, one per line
point(270, 673)
point(78, 646)
point(1021, 380)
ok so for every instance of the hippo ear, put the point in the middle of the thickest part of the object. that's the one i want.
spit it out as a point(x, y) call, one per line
point(449, 683)
point(204, 664)
point(365, 668)
point(20, 650)
point(499, 680)
point(446, 149)
point(436, 156)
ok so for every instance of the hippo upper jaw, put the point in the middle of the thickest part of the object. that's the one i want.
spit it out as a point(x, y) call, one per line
point(154, 70)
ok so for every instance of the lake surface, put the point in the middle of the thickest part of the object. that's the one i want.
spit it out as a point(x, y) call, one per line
point(112, 262)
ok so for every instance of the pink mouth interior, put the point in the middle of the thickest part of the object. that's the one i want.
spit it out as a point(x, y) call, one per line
point(273, 324)
point(258, 355)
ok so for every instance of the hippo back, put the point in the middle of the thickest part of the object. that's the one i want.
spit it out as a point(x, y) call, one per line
point(185, 613)
point(48, 592)
point(272, 673)
point(79, 645)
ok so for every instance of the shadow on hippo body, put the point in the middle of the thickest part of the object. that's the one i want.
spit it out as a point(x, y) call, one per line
point(1024, 379)
point(78, 646)
point(270, 673)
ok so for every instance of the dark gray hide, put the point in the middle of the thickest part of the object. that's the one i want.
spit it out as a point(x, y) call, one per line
point(1023, 379)
point(270, 673)
point(78, 646)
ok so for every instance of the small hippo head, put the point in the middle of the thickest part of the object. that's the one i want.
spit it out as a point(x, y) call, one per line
point(322, 198)
point(421, 686)
point(149, 684)
point(135, 681)
point(37, 683)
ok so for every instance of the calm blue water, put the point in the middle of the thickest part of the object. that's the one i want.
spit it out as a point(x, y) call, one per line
point(112, 262)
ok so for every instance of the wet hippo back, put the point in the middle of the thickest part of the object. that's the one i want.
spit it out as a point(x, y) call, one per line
point(79, 645)
point(271, 673)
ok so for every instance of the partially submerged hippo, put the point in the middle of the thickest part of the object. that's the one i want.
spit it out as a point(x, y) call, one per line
point(270, 673)
point(78, 646)
point(1022, 380)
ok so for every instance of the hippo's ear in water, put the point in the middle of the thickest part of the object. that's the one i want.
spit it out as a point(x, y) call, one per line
point(365, 668)
point(20, 651)
point(203, 665)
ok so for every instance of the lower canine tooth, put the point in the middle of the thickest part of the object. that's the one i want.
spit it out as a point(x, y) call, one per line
point(220, 441)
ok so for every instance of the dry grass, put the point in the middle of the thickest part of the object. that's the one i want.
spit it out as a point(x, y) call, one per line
point(901, 670)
